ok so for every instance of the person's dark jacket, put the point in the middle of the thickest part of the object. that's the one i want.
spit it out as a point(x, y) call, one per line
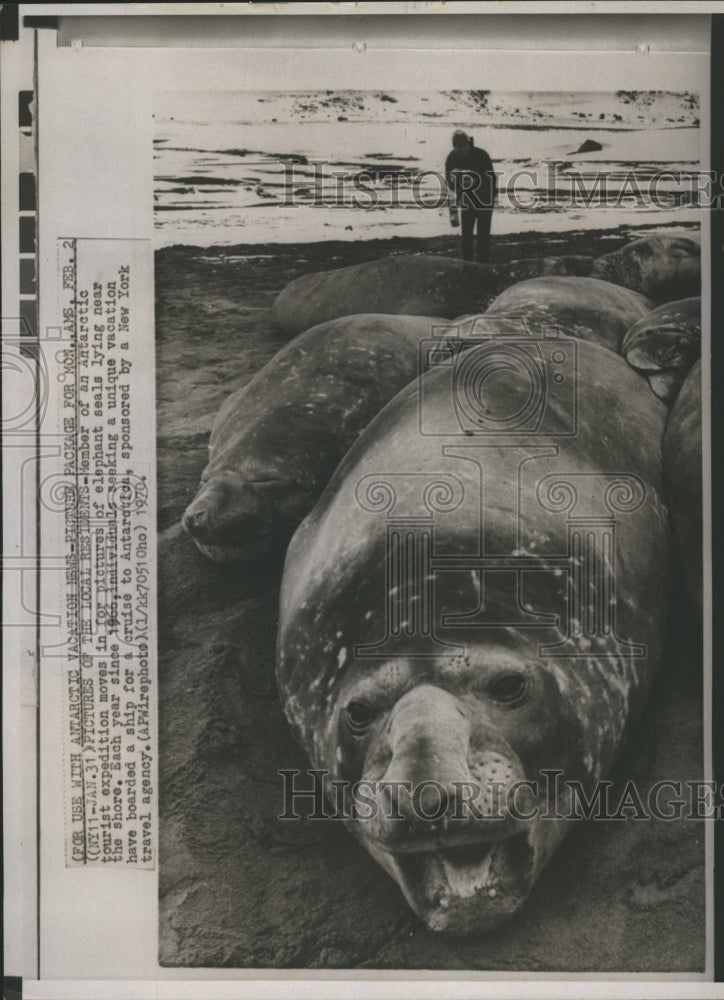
point(481, 187)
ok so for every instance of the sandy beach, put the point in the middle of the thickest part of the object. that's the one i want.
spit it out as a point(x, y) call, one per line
point(240, 888)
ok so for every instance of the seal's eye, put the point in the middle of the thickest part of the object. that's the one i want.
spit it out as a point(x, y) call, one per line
point(509, 688)
point(360, 717)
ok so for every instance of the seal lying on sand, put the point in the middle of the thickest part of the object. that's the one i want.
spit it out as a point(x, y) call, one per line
point(463, 610)
point(665, 344)
point(662, 268)
point(683, 483)
point(588, 308)
point(411, 284)
point(276, 442)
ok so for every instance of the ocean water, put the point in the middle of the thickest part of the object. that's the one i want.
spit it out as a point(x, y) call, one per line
point(245, 168)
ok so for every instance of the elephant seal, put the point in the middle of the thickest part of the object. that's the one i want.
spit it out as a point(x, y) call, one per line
point(683, 482)
point(662, 268)
point(463, 615)
point(665, 344)
point(582, 307)
point(276, 441)
point(408, 284)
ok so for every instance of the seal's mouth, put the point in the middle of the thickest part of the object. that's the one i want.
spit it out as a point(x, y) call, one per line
point(230, 553)
point(228, 526)
point(231, 540)
point(234, 519)
point(467, 889)
point(665, 354)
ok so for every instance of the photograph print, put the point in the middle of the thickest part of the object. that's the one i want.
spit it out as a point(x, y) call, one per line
point(430, 536)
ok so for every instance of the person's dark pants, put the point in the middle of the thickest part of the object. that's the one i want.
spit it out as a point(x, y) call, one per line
point(469, 219)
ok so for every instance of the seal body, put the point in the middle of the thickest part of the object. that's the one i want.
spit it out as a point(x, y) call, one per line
point(466, 611)
point(664, 344)
point(683, 482)
point(276, 442)
point(412, 284)
point(662, 268)
point(582, 307)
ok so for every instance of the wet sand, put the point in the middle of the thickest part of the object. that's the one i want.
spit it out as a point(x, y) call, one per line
point(238, 887)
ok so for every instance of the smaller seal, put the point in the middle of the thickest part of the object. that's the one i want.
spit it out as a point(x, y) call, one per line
point(665, 344)
point(582, 307)
point(663, 268)
point(276, 442)
point(408, 284)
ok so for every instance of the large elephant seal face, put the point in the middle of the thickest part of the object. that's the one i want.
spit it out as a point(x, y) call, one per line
point(234, 519)
point(443, 763)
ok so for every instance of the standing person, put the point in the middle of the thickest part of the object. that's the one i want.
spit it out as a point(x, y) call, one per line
point(471, 180)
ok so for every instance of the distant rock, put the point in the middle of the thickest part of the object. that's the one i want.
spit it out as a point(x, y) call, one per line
point(390, 100)
point(242, 152)
point(202, 180)
point(383, 173)
point(589, 146)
